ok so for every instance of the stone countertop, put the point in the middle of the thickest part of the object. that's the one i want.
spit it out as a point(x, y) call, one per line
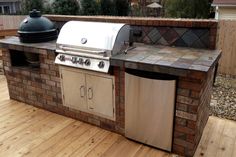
point(15, 44)
point(155, 58)
point(172, 60)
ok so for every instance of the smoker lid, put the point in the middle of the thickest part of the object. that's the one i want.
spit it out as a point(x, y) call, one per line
point(36, 28)
point(95, 35)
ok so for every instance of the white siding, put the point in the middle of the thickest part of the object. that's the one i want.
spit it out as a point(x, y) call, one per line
point(227, 13)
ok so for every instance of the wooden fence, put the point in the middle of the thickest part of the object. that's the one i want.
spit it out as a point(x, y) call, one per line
point(227, 43)
point(8, 32)
point(8, 27)
point(10, 22)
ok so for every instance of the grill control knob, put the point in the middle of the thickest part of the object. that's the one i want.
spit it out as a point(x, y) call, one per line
point(87, 62)
point(101, 64)
point(62, 58)
point(81, 61)
point(74, 60)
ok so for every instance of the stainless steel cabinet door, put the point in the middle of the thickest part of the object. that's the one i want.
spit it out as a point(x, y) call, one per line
point(149, 110)
point(74, 89)
point(100, 95)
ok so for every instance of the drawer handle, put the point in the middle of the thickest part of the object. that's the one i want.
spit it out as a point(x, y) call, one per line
point(90, 93)
point(82, 92)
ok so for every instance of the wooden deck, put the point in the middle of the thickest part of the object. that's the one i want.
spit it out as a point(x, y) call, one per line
point(29, 131)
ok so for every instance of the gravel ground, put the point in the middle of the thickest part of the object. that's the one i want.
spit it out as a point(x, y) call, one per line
point(223, 102)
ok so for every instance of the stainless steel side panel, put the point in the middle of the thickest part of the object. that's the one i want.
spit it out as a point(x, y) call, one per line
point(149, 110)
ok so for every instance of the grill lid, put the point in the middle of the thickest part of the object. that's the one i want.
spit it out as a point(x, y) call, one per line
point(92, 37)
point(36, 28)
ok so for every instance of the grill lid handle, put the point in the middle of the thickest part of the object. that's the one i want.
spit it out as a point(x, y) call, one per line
point(65, 48)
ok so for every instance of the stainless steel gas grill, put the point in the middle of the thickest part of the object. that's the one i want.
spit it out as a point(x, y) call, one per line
point(89, 45)
point(85, 49)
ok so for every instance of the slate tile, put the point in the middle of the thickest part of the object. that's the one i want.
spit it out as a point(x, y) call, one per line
point(178, 72)
point(181, 65)
point(131, 65)
point(199, 32)
point(190, 56)
point(162, 41)
point(199, 67)
point(189, 38)
point(180, 42)
point(146, 30)
point(160, 69)
point(184, 60)
point(171, 36)
point(205, 39)
point(154, 35)
point(151, 59)
point(198, 44)
point(169, 59)
point(137, 57)
point(147, 40)
point(180, 31)
point(163, 30)
point(146, 67)
point(203, 62)
point(163, 63)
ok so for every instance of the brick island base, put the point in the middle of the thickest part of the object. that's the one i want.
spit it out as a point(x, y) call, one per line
point(41, 88)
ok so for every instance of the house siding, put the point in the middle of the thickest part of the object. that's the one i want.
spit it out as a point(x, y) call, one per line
point(14, 7)
point(227, 13)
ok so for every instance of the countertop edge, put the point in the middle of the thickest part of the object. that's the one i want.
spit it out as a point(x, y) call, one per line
point(29, 47)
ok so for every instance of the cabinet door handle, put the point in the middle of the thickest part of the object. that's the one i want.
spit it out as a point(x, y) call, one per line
point(90, 93)
point(82, 92)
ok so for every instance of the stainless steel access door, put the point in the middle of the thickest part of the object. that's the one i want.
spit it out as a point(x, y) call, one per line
point(149, 110)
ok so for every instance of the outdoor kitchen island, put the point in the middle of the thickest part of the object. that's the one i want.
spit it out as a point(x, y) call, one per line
point(193, 68)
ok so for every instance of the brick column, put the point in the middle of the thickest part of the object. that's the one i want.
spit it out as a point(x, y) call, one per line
point(192, 111)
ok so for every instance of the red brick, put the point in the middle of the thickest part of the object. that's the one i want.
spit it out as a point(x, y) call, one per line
point(47, 87)
point(51, 83)
point(180, 135)
point(184, 100)
point(193, 109)
point(51, 103)
point(44, 76)
point(183, 143)
point(178, 149)
point(190, 85)
point(184, 130)
point(186, 115)
point(183, 92)
point(195, 94)
point(37, 85)
point(197, 75)
point(181, 121)
point(50, 72)
point(44, 66)
point(43, 52)
point(94, 121)
point(191, 124)
point(47, 97)
point(190, 138)
point(48, 61)
point(182, 107)
point(56, 79)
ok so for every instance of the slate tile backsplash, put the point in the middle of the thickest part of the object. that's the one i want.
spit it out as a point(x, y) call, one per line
point(172, 36)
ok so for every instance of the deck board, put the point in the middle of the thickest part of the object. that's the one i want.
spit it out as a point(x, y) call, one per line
point(30, 132)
